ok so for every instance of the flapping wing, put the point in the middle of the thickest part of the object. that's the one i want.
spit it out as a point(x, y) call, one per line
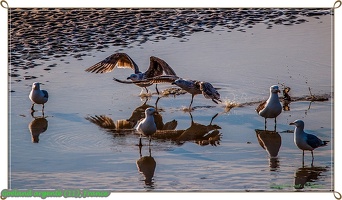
point(158, 67)
point(130, 82)
point(120, 60)
point(157, 79)
point(163, 79)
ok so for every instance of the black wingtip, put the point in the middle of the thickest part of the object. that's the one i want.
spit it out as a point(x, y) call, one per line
point(325, 143)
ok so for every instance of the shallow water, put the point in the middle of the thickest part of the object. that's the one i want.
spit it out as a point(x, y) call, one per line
point(73, 152)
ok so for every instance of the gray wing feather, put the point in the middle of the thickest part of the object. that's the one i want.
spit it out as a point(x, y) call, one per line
point(314, 141)
point(45, 93)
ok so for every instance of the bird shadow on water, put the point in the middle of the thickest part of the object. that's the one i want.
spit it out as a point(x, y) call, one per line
point(270, 141)
point(37, 126)
point(305, 177)
point(166, 131)
point(146, 166)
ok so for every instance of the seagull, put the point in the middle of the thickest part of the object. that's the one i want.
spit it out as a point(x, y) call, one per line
point(305, 141)
point(38, 96)
point(147, 126)
point(198, 87)
point(272, 107)
point(122, 60)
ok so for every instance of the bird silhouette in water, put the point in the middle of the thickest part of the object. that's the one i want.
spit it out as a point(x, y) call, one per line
point(126, 125)
point(146, 165)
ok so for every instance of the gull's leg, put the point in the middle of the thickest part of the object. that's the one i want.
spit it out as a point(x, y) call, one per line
point(312, 156)
point(43, 108)
point(157, 89)
point(157, 103)
point(192, 99)
point(146, 89)
point(140, 151)
point(142, 91)
point(265, 124)
point(32, 107)
point(32, 113)
point(213, 118)
point(303, 158)
point(140, 143)
point(149, 150)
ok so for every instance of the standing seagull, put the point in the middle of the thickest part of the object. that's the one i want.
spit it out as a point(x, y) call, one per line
point(38, 96)
point(306, 141)
point(198, 87)
point(147, 126)
point(272, 107)
point(122, 60)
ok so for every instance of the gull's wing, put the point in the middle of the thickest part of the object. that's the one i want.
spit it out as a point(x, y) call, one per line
point(130, 82)
point(314, 141)
point(158, 67)
point(260, 106)
point(163, 79)
point(120, 60)
point(157, 79)
point(209, 91)
point(46, 94)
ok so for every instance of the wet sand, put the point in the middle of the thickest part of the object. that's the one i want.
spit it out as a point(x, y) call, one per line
point(249, 50)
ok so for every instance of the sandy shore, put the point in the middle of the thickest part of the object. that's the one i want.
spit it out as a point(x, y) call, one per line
point(39, 35)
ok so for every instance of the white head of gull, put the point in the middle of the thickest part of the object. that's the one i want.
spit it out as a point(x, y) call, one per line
point(38, 96)
point(272, 107)
point(305, 141)
point(147, 126)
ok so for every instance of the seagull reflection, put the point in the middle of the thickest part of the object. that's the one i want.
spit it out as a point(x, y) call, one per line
point(271, 142)
point(304, 176)
point(199, 133)
point(37, 126)
point(146, 165)
point(124, 126)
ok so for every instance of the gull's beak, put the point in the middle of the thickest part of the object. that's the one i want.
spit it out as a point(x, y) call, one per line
point(292, 123)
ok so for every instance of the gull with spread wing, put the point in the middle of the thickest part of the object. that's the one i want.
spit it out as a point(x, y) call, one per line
point(157, 67)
